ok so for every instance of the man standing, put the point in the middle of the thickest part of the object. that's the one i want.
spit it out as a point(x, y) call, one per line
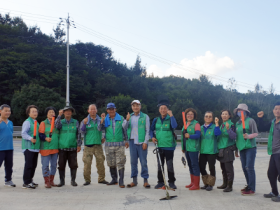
point(138, 129)
point(273, 149)
point(162, 135)
point(69, 144)
point(93, 145)
point(115, 135)
point(6, 143)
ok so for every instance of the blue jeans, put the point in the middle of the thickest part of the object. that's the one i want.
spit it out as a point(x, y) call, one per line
point(136, 152)
point(247, 157)
point(192, 159)
point(46, 160)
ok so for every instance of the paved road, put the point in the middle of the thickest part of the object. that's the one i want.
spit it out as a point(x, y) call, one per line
point(99, 196)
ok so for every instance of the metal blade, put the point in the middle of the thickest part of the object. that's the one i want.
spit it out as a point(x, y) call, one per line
point(170, 197)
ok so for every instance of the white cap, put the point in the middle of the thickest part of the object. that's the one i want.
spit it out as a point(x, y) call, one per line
point(135, 101)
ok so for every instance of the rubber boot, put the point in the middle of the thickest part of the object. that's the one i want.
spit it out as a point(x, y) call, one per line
point(205, 181)
point(114, 175)
point(229, 187)
point(51, 181)
point(121, 174)
point(196, 180)
point(224, 185)
point(62, 178)
point(73, 172)
point(191, 184)
point(47, 182)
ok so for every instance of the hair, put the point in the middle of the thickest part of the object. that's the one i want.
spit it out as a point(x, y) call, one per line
point(3, 106)
point(92, 105)
point(226, 110)
point(29, 107)
point(191, 110)
point(209, 113)
point(277, 104)
point(49, 108)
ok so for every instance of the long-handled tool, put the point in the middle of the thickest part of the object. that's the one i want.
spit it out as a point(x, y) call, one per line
point(243, 122)
point(168, 197)
point(184, 139)
point(35, 130)
point(52, 127)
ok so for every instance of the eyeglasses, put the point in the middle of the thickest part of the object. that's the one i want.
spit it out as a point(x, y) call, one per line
point(208, 116)
point(190, 114)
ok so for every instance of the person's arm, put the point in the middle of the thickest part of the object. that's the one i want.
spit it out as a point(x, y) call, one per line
point(124, 130)
point(232, 132)
point(24, 131)
point(42, 134)
point(83, 129)
point(217, 131)
point(147, 129)
point(153, 128)
point(173, 122)
point(265, 126)
point(197, 133)
point(253, 129)
point(57, 123)
point(101, 126)
point(79, 140)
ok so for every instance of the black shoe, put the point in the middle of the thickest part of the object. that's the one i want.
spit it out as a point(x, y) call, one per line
point(276, 199)
point(62, 178)
point(121, 174)
point(224, 185)
point(114, 175)
point(103, 182)
point(269, 195)
point(36, 185)
point(209, 188)
point(159, 185)
point(172, 185)
point(28, 186)
point(86, 183)
point(229, 187)
point(73, 177)
point(204, 187)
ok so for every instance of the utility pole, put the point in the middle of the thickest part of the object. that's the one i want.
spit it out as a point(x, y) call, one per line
point(68, 22)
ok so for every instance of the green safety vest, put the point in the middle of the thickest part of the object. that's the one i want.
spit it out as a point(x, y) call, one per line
point(118, 136)
point(55, 135)
point(164, 133)
point(270, 137)
point(223, 140)
point(68, 134)
point(192, 145)
point(93, 135)
point(141, 127)
point(209, 143)
point(241, 143)
point(26, 144)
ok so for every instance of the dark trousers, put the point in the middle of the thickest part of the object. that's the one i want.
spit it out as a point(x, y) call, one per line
point(273, 172)
point(31, 159)
point(192, 159)
point(211, 160)
point(166, 155)
point(70, 156)
point(6, 156)
point(228, 170)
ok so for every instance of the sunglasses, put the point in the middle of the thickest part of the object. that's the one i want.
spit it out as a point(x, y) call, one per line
point(208, 116)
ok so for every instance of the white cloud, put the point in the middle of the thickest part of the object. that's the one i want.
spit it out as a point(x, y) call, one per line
point(207, 64)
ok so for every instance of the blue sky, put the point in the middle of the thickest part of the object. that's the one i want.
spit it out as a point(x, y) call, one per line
point(222, 38)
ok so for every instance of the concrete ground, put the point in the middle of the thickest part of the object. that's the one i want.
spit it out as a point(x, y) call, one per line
point(100, 196)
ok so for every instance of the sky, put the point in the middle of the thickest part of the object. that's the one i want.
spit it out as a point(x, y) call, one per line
point(223, 39)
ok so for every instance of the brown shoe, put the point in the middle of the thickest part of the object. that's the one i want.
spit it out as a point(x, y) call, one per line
point(47, 182)
point(51, 181)
point(146, 185)
point(131, 185)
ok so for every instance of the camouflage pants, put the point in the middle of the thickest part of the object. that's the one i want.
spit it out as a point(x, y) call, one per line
point(97, 151)
point(115, 156)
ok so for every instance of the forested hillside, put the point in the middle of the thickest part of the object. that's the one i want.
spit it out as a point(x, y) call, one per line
point(33, 71)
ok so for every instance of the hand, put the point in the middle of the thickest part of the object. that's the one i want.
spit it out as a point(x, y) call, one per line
point(227, 125)
point(154, 140)
point(236, 154)
point(245, 136)
point(126, 145)
point(85, 120)
point(78, 149)
point(217, 121)
point(187, 135)
point(183, 151)
point(103, 140)
point(60, 113)
point(1, 119)
point(48, 139)
point(169, 112)
point(144, 146)
point(102, 117)
point(260, 114)
point(127, 117)
point(33, 141)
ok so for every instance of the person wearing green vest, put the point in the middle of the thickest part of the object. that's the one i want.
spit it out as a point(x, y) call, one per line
point(138, 130)
point(191, 147)
point(69, 144)
point(162, 134)
point(93, 141)
point(226, 147)
point(273, 149)
point(246, 144)
point(49, 148)
point(30, 147)
point(209, 150)
point(116, 136)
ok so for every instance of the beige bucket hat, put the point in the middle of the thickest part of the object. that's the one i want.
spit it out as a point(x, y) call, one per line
point(243, 107)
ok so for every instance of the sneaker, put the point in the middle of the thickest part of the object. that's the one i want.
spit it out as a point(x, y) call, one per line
point(270, 195)
point(9, 184)
point(28, 186)
point(209, 188)
point(36, 185)
point(172, 185)
point(204, 187)
point(86, 183)
point(276, 198)
point(103, 182)
point(248, 192)
point(245, 188)
point(160, 185)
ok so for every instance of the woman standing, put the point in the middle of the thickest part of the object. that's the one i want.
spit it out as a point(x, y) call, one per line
point(246, 144)
point(209, 150)
point(191, 147)
point(226, 147)
point(49, 148)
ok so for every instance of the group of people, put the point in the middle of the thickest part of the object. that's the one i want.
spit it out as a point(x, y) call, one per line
point(201, 144)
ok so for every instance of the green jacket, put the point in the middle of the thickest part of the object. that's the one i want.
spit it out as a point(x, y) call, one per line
point(209, 142)
point(55, 135)
point(68, 134)
point(92, 135)
point(164, 133)
point(26, 144)
point(223, 140)
point(241, 143)
point(270, 137)
point(118, 135)
point(141, 127)
point(192, 145)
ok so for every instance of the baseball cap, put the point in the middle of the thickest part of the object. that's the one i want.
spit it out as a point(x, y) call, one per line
point(135, 101)
point(111, 105)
